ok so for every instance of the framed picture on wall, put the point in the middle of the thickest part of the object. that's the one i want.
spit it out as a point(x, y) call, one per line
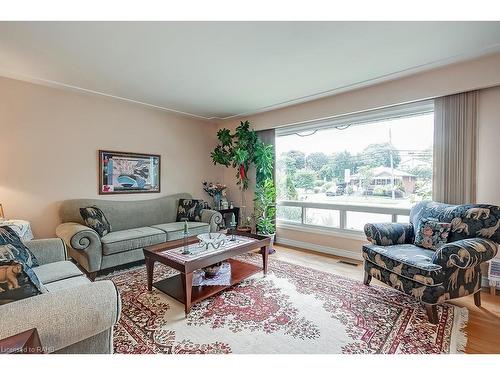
point(127, 172)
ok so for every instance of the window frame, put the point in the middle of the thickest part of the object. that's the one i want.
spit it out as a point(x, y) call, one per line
point(353, 119)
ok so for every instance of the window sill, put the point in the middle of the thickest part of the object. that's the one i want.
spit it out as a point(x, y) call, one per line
point(324, 231)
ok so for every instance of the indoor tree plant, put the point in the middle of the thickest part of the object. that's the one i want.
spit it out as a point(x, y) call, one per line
point(240, 150)
point(237, 150)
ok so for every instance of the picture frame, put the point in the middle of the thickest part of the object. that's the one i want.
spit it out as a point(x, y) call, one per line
point(128, 172)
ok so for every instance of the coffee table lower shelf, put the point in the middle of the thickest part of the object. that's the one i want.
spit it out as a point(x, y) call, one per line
point(173, 287)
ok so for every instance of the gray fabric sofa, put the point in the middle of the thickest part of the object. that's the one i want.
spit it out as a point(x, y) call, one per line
point(135, 224)
point(74, 316)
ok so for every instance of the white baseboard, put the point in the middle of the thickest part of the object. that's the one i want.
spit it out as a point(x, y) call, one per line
point(320, 248)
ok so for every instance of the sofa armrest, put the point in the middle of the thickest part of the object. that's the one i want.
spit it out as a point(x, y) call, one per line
point(85, 242)
point(64, 317)
point(384, 234)
point(47, 250)
point(212, 217)
point(465, 253)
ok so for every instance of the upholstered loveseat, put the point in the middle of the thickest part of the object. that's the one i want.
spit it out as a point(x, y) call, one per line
point(75, 315)
point(452, 270)
point(135, 224)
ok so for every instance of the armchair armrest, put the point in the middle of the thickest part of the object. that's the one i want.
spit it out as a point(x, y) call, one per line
point(64, 317)
point(47, 250)
point(384, 234)
point(465, 253)
point(212, 217)
point(84, 244)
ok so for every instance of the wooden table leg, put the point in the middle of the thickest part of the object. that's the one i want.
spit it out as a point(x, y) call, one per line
point(264, 250)
point(149, 269)
point(187, 286)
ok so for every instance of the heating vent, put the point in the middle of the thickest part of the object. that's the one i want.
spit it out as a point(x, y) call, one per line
point(348, 263)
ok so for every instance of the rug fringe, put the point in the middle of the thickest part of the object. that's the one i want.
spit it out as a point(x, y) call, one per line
point(459, 340)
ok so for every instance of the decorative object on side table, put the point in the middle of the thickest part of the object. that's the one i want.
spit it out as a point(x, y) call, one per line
point(126, 172)
point(1, 213)
point(217, 191)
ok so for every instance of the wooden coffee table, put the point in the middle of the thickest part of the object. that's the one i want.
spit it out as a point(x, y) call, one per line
point(180, 287)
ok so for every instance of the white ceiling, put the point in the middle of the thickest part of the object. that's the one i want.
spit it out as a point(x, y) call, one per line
point(222, 69)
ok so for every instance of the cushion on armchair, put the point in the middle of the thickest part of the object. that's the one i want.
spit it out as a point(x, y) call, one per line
point(407, 260)
point(431, 234)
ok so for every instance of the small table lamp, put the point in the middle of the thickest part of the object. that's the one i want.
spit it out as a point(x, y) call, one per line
point(1, 212)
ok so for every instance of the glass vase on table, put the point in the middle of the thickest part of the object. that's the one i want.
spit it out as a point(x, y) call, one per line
point(185, 236)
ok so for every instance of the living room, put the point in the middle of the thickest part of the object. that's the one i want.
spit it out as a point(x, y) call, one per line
point(167, 190)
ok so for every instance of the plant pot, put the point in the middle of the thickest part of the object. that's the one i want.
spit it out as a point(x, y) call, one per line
point(271, 245)
point(244, 229)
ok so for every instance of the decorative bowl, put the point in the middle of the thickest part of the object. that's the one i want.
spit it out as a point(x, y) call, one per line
point(213, 240)
point(213, 270)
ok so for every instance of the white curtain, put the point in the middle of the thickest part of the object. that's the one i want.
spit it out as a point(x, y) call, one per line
point(455, 137)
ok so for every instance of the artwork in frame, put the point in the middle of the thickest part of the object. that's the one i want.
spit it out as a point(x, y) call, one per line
point(126, 172)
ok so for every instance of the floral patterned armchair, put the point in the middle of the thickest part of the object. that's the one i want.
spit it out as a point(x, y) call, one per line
point(451, 271)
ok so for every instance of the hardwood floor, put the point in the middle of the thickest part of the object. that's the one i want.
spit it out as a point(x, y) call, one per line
point(483, 328)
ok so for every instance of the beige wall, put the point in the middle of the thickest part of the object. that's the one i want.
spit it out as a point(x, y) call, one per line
point(488, 169)
point(470, 75)
point(49, 143)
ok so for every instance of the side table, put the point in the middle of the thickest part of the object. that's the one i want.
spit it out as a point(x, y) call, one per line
point(225, 211)
point(27, 342)
point(21, 227)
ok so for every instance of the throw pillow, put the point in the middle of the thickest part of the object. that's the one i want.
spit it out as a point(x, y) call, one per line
point(190, 209)
point(17, 281)
point(431, 234)
point(12, 248)
point(95, 219)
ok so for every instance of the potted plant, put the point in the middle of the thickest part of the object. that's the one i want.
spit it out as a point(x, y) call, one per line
point(265, 192)
point(265, 210)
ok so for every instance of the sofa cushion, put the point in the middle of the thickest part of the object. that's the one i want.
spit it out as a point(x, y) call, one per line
point(95, 219)
point(130, 239)
point(72, 282)
point(407, 260)
point(50, 272)
point(190, 209)
point(174, 231)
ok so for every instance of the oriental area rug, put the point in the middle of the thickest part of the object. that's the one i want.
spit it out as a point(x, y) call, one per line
point(294, 309)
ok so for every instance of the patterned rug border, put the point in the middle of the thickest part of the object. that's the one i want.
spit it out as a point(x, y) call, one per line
point(459, 337)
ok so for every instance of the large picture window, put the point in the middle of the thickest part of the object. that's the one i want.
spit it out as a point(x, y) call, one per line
point(356, 170)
